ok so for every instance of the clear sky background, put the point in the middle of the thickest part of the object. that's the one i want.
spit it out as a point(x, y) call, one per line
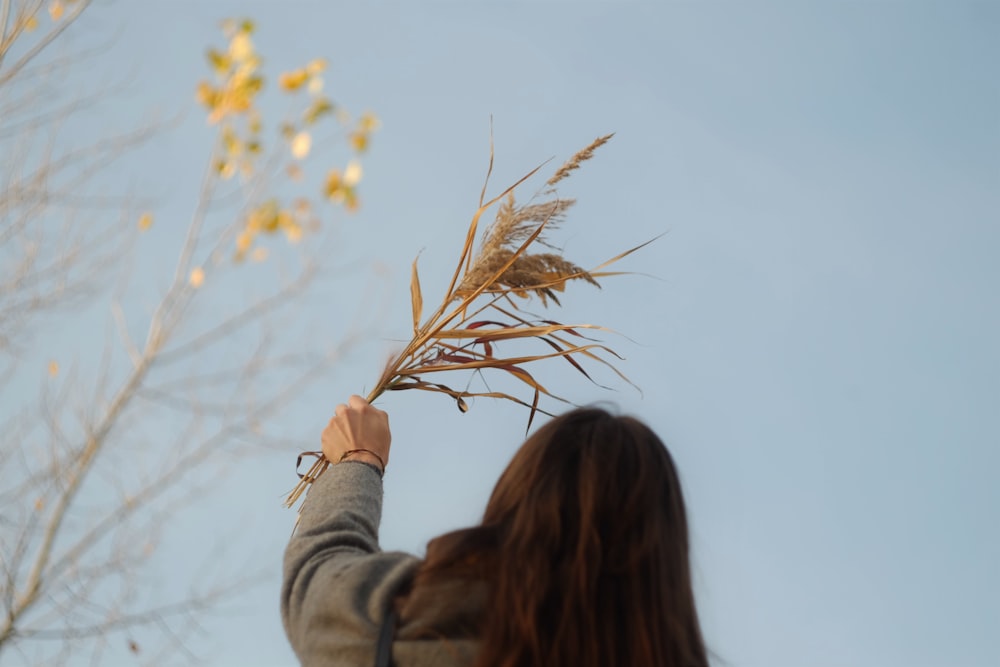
point(816, 335)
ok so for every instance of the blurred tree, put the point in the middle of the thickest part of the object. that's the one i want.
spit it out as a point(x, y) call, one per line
point(97, 458)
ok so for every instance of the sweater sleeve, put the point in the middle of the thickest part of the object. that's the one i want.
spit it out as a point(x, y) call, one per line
point(338, 583)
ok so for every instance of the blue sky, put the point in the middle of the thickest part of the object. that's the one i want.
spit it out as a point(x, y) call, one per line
point(815, 336)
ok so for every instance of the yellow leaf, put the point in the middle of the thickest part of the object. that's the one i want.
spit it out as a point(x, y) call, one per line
point(316, 66)
point(242, 92)
point(31, 23)
point(368, 122)
point(220, 62)
point(316, 85)
point(291, 81)
point(416, 297)
point(259, 255)
point(293, 232)
point(301, 145)
point(243, 242)
point(269, 217)
point(145, 221)
point(53, 368)
point(333, 188)
point(352, 174)
point(359, 141)
point(197, 277)
point(319, 108)
point(351, 202)
point(56, 10)
point(240, 47)
point(231, 143)
point(207, 95)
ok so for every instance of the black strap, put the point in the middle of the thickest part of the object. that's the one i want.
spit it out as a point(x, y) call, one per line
point(383, 650)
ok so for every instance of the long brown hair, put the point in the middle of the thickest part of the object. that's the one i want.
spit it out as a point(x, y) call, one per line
point(584, 549)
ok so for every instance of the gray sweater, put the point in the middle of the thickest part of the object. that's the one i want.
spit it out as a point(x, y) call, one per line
point(338, 584)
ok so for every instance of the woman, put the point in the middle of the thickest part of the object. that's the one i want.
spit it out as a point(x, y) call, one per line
point(581, 558)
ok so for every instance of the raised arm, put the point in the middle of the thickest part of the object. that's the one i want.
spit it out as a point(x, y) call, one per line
point(337, 581)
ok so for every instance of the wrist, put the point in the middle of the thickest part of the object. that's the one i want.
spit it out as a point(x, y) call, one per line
point(364, 456)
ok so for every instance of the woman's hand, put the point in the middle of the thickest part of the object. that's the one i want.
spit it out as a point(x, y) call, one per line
point(359, 431)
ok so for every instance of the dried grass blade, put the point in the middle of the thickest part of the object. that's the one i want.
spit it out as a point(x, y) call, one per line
point(510, 365)
point(318, 468)
point(416, 298)
point(527, 378)
point(527, 331)
point(556, 326)
point(596, 357)
point(625, 254)
point(554, 343)
point(489, 170)
point(483, 323)
point(444, 389)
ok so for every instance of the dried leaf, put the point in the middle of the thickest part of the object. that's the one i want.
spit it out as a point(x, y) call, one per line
point(416, 298)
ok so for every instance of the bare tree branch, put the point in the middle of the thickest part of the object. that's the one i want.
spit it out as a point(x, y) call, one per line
point(97, 457)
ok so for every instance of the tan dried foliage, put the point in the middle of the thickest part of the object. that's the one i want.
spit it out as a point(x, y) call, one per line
point(478, 313)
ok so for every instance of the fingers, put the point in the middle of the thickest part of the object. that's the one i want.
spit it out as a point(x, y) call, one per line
point(357, 425)
point(355, 403)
